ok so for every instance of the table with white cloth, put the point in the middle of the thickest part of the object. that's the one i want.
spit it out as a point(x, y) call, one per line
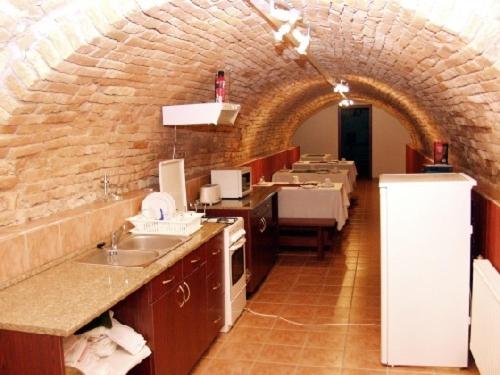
point(304, 177)
point(317, 207)
point(330, 165)
point(317, 157)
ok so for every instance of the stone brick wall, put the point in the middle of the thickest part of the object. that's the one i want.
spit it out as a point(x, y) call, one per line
point(82, 83)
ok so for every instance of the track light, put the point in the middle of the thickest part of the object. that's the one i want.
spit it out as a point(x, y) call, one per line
point(282, 31)
point(341, 87)
point(303, 40)
point(346, 103)
point(291, 16)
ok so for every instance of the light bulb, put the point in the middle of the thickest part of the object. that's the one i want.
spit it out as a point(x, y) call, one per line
point(341, 87)
point(282, 31)
point(346, 103)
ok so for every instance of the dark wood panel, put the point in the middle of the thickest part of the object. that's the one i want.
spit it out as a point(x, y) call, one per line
point(26, 353)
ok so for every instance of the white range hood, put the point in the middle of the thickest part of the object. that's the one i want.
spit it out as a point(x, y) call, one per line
point(203, 113)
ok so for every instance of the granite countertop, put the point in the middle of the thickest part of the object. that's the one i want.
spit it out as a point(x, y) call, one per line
point(251, 201)
point(62, 299)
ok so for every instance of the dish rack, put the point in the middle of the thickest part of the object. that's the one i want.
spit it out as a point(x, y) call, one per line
point(182, 224)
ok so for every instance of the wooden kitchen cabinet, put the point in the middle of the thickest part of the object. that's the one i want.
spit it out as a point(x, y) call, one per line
point(260, 212)
point(171, 311)
point(176, 321)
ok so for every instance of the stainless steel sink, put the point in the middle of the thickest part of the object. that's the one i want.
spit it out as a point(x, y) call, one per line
point(136, 250)
point(122, 258)
point(151, 242)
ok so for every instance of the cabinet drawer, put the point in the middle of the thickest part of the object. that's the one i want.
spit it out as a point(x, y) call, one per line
point(165, 281)
point(215, 321)
point(215, 255)
point(193, 260)
point(215, 289)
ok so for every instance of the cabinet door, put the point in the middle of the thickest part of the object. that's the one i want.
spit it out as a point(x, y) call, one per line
point(194, 314)
point(263, 243)
point(168, 321)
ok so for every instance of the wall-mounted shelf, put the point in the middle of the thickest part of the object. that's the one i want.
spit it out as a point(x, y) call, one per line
point(203, 113)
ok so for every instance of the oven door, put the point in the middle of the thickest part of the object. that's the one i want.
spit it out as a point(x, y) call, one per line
point(237, 265)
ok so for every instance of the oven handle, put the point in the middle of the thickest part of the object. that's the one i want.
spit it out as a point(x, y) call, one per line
point(238, 244)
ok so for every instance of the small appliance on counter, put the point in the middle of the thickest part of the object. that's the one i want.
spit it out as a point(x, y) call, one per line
point(234, 183)
point(210, 194)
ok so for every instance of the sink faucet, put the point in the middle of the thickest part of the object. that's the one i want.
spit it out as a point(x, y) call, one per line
point(115, 237)
point(108, 195)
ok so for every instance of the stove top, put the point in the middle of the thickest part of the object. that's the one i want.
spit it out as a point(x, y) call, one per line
point(222, 220)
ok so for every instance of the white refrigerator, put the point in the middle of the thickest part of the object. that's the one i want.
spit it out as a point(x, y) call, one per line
point(425, 258)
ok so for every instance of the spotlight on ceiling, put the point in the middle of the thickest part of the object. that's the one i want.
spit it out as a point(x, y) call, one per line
point(341, 87)
point(282, 31)
point(346, 103)
point(303, 39)
point(291, 16)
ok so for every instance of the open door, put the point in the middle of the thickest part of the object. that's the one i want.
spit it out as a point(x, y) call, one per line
point(355, 140)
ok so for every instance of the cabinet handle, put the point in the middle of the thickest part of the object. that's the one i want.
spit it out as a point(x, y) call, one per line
point(194, 261)
point(264, 225)
point(168, 281)
point(217, 320)
point(216, 252)
point(189, 292)
point(183, 301)
point(217, 286)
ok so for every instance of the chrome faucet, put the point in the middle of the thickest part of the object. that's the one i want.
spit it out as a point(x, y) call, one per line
point(115, 237)
point(108, 195)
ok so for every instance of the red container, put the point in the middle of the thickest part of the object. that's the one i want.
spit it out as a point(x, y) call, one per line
point(220, 86)
point(440, 152)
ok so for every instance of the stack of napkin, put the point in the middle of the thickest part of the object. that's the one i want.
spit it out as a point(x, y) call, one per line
point(105, 351)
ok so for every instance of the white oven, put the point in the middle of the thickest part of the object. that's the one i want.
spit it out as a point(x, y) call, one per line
point(234, 269)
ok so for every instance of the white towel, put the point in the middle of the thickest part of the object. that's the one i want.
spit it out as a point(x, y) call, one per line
point(103, 346)
point(122, 362)
point(126, 337)
point(73, 346)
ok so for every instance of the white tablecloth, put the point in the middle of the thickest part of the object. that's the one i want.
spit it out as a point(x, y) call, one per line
point(304, 177)
point(317, 203)
point(347, 165)
point(319, 157)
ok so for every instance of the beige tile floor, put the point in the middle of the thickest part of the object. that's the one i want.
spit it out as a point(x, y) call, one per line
point(338, 300)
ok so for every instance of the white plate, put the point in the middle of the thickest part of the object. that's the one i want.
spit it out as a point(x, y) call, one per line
point(307, 186)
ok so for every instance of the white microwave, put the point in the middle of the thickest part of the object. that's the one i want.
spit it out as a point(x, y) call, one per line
point(233, 182)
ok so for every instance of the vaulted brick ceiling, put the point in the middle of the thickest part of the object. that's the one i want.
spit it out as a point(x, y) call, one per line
point(83, 83)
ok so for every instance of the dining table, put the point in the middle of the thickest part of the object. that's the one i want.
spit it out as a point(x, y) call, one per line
point(329, 165)
point(316, 157)
point(314, 177)
point(313, 206)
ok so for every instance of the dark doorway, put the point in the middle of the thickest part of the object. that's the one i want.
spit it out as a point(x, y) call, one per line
point(355, 140)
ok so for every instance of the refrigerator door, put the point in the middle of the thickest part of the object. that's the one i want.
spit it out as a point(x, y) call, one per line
point(425, 273)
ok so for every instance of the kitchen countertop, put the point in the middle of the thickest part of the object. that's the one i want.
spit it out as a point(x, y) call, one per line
point(62, 299)
point(251, 201)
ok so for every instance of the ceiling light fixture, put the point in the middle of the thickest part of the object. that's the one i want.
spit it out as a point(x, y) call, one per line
point(303, 40)
point(290, 17)
point(346, 103)
point(282, 31)
point(341, 87)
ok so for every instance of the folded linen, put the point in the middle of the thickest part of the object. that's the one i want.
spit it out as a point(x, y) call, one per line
point(121, 362)
point(126, 337)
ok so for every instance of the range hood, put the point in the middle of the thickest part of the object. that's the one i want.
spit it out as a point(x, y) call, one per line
point(203, 113)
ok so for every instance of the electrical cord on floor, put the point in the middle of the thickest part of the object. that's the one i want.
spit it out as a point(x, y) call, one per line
point(306, 324)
